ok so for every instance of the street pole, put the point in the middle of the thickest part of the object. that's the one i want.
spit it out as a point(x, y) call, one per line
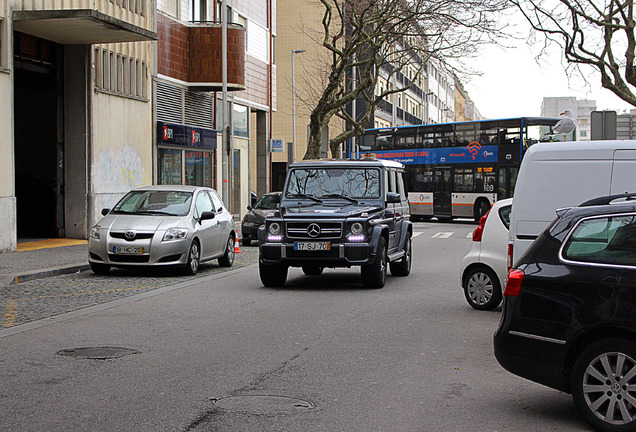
point(225, 138)
point(291, 148)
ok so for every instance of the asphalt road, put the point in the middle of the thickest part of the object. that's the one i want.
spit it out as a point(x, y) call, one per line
point(222, 353)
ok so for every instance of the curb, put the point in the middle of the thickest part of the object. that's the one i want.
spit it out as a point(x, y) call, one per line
point(7, 280)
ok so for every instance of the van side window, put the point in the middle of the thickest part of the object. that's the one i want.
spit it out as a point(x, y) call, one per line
point(608, 240)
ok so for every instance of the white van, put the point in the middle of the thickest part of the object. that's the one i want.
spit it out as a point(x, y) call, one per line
point(565, 174)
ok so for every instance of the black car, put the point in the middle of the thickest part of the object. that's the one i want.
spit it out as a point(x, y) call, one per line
point(569, 313)
point(339, 213)
point(256, 215)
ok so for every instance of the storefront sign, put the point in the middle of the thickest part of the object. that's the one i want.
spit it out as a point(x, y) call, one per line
point(180, 135)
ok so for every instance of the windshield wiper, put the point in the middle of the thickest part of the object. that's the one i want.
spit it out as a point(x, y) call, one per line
point(153, 212)
point(348, 198)
point(311, 197)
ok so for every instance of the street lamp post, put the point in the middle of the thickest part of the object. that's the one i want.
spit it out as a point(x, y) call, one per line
point(291, 150)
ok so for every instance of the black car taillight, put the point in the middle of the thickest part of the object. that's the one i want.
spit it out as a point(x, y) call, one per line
point(479, 231)
point(513, 283)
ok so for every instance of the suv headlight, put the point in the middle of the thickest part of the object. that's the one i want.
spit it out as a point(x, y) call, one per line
point(95, 232)
point(274, 228)
point(356, 232)
point(175, 234)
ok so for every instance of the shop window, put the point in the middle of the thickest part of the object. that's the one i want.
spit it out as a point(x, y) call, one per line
point(169, 166)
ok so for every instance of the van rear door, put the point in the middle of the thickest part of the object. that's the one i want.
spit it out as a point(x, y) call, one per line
point(623, 178)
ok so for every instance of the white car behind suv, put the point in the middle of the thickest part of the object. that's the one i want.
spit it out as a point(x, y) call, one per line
point(484, 269)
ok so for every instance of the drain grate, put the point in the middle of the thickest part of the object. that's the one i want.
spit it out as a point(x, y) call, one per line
point(264, 404)
point(97, 353)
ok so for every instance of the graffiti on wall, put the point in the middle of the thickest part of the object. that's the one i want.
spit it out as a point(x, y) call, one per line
point(119, 170)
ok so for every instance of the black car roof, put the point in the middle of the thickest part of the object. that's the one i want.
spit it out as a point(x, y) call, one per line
point(349, 163)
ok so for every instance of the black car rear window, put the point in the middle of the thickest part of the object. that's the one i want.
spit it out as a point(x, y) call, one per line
point(603, 240)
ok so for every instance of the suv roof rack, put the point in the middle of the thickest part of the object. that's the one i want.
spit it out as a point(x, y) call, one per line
point(605, 200)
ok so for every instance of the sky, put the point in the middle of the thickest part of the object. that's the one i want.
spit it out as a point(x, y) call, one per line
point(512, 84)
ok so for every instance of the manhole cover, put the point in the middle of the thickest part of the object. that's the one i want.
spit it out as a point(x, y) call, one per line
point(264, 404)
point(97, 353)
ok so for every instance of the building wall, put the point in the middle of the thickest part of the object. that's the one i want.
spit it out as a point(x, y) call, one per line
point(298, 21)
point(7, 175)
point(582, 108)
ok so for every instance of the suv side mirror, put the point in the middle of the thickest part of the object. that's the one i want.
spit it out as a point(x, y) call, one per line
point(105, 211)
point(393, 198)
point(207, 215)
point(275, 199)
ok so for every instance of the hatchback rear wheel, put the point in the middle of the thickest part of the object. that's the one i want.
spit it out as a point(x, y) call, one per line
point(482, 289)
point(228, 257)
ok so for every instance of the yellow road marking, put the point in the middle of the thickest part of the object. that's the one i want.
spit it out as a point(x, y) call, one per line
point(49, 243)
point(10, 312)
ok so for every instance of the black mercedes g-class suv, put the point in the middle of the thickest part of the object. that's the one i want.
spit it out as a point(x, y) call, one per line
point(339, 213)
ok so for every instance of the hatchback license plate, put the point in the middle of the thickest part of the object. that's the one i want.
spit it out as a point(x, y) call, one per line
point(311, 246)
point(128, 249)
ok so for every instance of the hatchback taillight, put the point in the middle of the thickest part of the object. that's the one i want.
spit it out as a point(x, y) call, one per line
point(479, 231)
point(511, 249)
point(513, 283)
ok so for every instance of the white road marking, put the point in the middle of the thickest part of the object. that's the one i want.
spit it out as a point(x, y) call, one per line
point(470, 235)
point(415, 234)
point(443, 235)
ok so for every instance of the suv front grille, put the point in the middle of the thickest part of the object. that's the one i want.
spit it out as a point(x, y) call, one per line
point(300, 230)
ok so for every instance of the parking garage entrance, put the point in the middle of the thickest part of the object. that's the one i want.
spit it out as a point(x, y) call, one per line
point(38, 143)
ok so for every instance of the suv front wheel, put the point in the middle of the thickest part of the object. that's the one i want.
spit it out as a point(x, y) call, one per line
point(272, 275)
point(374, 274)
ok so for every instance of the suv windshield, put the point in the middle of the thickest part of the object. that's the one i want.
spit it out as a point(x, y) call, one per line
point(334, 183)
point(170, 203)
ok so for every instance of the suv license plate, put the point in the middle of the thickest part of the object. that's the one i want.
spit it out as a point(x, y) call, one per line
point(311, 246)
point(128, 249)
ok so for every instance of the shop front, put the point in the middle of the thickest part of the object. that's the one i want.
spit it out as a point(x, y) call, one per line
point(186, 155)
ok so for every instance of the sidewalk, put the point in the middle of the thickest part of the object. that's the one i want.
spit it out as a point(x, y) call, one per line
point(43, 258)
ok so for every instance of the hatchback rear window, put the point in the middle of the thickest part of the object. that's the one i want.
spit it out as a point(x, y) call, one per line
point(603, 240)
point(504, 215)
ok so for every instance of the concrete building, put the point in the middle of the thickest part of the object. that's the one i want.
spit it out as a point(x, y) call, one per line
point(582, 109)
point(75, 112)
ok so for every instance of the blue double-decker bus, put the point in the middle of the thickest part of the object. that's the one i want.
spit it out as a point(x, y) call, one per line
point(458, 169)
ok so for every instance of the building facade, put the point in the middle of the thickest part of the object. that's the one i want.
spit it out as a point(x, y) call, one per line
point(190, 148)
point(582, 109)
point(75, 112)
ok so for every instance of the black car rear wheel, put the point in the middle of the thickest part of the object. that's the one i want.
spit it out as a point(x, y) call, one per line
point(603, 385)
point(482, 289)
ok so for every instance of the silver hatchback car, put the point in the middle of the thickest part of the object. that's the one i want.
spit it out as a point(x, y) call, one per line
point(163, 226)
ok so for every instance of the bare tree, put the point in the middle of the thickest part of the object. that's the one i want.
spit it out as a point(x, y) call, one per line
point(367, 39)
point(598, 33)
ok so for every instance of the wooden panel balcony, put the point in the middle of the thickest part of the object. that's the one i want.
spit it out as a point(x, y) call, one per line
point(79, 22)
point(192, 53)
